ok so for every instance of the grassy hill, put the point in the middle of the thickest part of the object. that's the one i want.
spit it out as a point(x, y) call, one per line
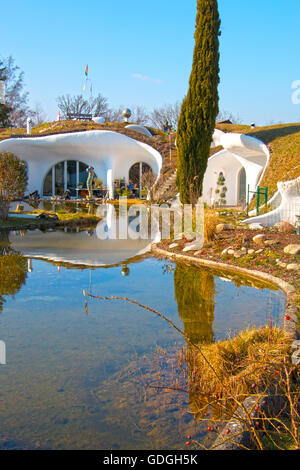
point(283, 142)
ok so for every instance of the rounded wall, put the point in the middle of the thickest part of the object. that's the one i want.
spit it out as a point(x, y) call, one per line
point(108, 150)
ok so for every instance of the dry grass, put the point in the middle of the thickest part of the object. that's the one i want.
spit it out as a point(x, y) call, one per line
point(283, 142)
point(211, 220)
point(237, 367)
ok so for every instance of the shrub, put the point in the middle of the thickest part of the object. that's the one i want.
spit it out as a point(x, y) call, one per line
point(13, 181)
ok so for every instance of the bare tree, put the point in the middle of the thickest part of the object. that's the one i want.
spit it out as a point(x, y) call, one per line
point(38, 115)
point(140, 115)
point(79, 105)
point(147, 182)
point(227, 116)
point(72, 104)
point(15, 98)
point(99, 106)
point(167, 112)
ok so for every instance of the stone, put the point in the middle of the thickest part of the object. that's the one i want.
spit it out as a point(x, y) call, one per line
point(221, 227)
point(230, 252)
point(258, 239)
point(189, 237)
point(284, 226)
point(256, 226)
point(173, 245)
point(281, 264)
point(259, 251)
point(238, 254)
point(195, 245)
point(225, 251)
point(244, 250)
point(293, 267)
point(271, 242)
point(251, 251)
point(292, 249)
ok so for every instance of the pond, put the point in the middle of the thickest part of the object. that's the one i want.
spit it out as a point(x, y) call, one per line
point(80, 371)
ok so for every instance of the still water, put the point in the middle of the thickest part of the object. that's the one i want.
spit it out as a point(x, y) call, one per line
point(78, 375)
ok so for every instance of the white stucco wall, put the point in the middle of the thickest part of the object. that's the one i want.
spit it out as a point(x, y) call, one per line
point(110, 153)
point(239, 151)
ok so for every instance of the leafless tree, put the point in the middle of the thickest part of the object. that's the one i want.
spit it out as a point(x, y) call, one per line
point(147, 182)
point(15, 98)
point(79, 105)
point(38, 115)
point(167, 112)
point(228, 116)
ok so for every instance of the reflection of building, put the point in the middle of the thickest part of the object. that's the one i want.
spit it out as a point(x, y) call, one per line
point(194, 292)
point(59, 162)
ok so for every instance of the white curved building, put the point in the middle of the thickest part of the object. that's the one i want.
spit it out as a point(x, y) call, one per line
point(242, 161)
point(58, 162)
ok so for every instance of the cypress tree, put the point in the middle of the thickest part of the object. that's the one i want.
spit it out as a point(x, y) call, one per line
point(201, 105)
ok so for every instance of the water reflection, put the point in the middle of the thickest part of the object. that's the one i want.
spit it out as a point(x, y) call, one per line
point(13, 274)
point(194, 293)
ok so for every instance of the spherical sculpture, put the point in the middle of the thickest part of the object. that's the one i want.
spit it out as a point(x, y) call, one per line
point(126, 113)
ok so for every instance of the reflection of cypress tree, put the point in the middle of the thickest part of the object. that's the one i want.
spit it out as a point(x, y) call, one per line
point(13, 273)
point(194, 292)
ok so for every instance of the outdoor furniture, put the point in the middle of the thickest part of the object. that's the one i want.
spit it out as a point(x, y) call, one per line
point(80, 117)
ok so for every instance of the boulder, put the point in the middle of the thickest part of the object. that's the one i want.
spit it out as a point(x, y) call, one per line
point(221, 227)
point(293, 267)
point(193, 246)
point(259, 239)
point(256, 226)
point(173, 245)
point(292, 249)
point(284, 226)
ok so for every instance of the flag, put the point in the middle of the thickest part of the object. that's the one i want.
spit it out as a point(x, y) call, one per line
point(86, 71)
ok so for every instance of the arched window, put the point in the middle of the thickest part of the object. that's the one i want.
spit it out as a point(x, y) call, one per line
point(136, 172)
point(68, 174)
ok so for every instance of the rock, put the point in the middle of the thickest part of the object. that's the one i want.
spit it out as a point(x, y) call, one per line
point(271, 242)
point(189, 237)
point(238, 254)
point(284, 227)
point(259, 251)
point(221, 227)
point(293, 267)
point(230, 252)
point(244, 250)
point(281, 265)
point(173, 245)
point(258, 239)
point(292, 249)
point(256, 226)
point(225, 251)
point(195, 245)
point(251, 251)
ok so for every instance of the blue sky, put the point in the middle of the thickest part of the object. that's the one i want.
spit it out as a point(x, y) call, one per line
point(140, 53)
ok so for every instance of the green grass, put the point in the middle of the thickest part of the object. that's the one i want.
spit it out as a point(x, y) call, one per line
point(283, 142)
point(18, 221)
